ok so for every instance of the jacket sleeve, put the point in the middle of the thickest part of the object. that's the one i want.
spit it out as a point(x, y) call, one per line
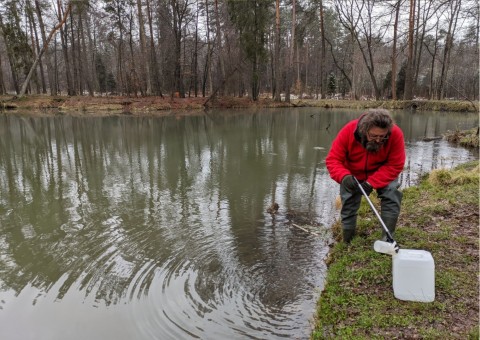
point(336, 158)
point(393, 166)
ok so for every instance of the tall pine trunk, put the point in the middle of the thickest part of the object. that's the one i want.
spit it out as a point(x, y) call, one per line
point(291, 55)
point(157, 84)
point(408, 89)
point(278, 78)
point(323, 86)
point(143, 48)
point(394, 51)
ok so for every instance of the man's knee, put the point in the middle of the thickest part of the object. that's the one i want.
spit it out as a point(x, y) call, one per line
point(391, 198)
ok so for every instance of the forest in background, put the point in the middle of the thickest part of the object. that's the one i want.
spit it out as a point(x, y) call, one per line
point(282, 49)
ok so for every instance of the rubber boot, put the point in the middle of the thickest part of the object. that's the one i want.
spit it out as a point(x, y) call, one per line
point(348, 235)
point(390, 223)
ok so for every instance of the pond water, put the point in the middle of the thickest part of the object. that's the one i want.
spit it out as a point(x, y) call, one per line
point(156, 227)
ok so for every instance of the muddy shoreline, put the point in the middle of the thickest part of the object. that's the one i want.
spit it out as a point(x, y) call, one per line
point(113, 105)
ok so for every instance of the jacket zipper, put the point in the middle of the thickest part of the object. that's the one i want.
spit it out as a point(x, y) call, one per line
point(366, 167)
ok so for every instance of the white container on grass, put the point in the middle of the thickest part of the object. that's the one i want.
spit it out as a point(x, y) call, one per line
point(413, 275)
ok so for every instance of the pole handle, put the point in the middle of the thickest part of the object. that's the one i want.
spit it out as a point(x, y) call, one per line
point(389, 236)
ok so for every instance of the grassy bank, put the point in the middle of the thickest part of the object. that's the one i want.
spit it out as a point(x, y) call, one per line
point(440, 215)
point(465, 138)
point(416, 105)
point(163, 105)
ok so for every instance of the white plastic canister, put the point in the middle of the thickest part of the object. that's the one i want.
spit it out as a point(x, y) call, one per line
point(413, 275)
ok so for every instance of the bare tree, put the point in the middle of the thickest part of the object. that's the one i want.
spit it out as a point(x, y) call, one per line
point(357, 17)
point(452, 25)
point(144, 47)
point(32, 69)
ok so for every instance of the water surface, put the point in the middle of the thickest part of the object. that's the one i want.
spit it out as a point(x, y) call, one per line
point(156, 227)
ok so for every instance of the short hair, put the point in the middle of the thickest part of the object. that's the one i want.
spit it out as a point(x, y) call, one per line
point(375, 117)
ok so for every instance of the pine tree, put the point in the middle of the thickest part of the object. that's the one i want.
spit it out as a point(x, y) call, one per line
point(251, 19)
point(332, 84)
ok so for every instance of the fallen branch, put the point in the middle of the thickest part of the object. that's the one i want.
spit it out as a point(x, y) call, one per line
point(429, 139)
point(305, 230)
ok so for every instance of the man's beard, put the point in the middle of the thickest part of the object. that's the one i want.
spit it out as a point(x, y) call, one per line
point(371, 146)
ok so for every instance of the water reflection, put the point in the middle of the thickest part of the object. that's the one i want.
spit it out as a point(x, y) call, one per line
point(156, 227)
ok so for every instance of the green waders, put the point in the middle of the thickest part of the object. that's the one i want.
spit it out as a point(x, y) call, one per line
point(390, 198)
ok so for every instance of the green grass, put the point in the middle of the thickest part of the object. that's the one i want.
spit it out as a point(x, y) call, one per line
point(439, 215)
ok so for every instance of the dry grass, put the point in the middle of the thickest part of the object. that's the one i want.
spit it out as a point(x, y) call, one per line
point(465, 138)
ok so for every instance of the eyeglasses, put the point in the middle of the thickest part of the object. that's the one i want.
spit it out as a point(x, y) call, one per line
point(381, 138)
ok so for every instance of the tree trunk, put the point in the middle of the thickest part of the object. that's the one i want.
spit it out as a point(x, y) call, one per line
point(394, 51)
point(143, 47)
point(88, 64)
point(194, 66)
point(157, 84)
point(291, 55)
point(75, 61)
point(433, 53)
point(178, 12)
point(64, 42)
point(48, 62)
point(323, 54)
point(3, 90)
point(209, 50)
point(34, 66)
point(92, 57)
point(370, 64)
point(452, 26)
point(219, 47)
point(255, 80)
point(408, 89)
point(278, 78)
point(134, 81)
point(36, 48)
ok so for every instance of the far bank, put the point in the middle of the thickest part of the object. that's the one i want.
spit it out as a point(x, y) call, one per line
point(107, 105)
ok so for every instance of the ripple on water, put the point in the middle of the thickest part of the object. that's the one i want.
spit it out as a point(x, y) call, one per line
point(205, 296)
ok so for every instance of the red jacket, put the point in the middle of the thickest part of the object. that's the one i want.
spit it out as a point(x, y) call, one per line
point(348, 156)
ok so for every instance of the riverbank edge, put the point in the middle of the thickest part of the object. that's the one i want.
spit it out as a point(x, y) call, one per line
point(441, 215)
point(153, 105)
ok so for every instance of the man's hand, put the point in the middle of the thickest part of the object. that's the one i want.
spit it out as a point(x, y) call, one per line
point(349, 183)
point(367, 187)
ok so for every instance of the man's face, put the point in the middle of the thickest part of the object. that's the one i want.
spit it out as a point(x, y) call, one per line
point(375, 138)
